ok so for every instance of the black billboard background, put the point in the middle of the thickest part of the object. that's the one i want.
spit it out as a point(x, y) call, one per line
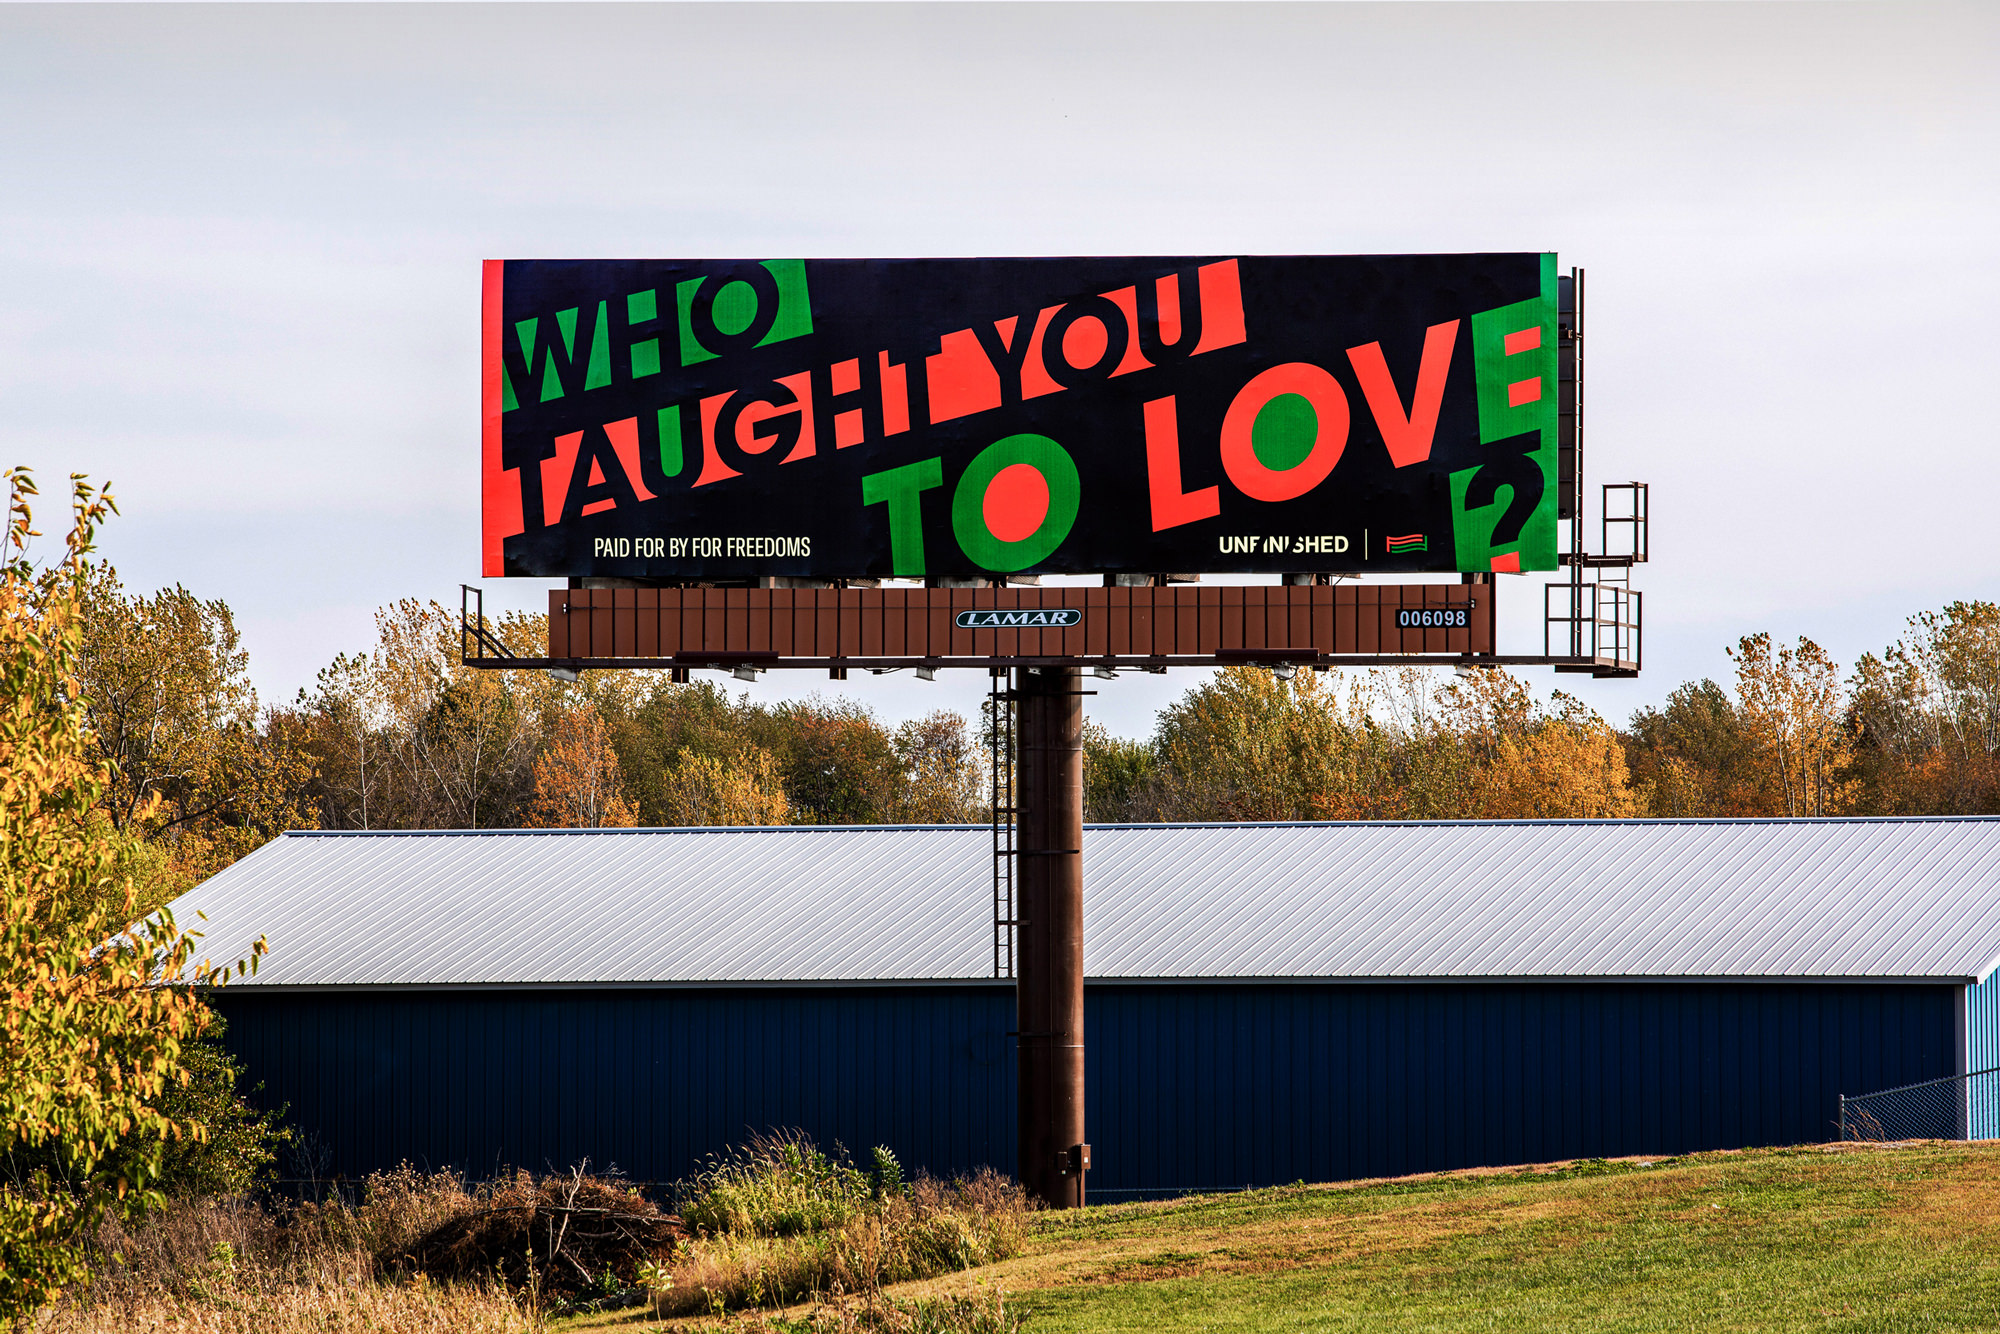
point(583, 365)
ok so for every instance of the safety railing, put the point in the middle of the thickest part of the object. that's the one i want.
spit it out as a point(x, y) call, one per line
point(1597, 625)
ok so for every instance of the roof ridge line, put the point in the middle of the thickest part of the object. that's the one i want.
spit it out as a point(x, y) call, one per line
point(1694, 821)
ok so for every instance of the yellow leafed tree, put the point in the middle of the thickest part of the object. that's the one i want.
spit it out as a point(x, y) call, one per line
point(578, 784)
point(741, 788)
point(1792, 708)
point(944, 776)
point(1535, 764)
point(1562, 769)
point(92, 1032)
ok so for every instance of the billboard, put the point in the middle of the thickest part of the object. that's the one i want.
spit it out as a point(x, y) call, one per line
point(724, 419)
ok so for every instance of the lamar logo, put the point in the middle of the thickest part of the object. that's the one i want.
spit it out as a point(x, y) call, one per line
point(1053, 618)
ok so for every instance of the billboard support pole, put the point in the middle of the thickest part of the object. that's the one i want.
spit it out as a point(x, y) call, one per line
point(1048, 984)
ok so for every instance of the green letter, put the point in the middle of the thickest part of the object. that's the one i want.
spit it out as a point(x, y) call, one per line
point(969, 505)
point(901, 487)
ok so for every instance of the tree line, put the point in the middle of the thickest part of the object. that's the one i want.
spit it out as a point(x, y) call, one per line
point(1911, 730)
point(401, 735)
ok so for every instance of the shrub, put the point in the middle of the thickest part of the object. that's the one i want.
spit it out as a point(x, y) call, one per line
point(239, 1143)
point(778, 1221)
point(777, 1185)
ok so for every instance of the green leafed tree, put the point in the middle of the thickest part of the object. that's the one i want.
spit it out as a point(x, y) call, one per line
point(1117, 773)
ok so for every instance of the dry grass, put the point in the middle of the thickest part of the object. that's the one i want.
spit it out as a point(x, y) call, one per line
point(420, 1252)
point(426, 1252)
point(296, 1308)
point(233, 1265)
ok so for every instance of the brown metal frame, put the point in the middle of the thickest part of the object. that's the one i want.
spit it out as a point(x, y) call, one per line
point(1134, 629)
point(888, 628)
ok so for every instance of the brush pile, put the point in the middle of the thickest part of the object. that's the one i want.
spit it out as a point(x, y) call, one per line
point(564, 1238)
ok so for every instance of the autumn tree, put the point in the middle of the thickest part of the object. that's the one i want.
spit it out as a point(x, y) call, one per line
point(742, 787)
point(166, 690)
point(1528, 762)
point(835, 763)
point(407, 736)
point(99, 1012)
point(1406, 762)
point(840, 766)
point(577, 780)
point(1792, 710)
point(1246, 745)
point(1118, 774)
point(1561, 765)
point(652, 727)
point(1926, 714)
point(1694, 757)
point(1391, 745)
point(943, 771)
point(343, 722)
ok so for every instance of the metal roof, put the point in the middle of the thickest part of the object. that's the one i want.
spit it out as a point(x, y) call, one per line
point(1911, 898)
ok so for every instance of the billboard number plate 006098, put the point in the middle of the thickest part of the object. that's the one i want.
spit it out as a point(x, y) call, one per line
point(1041, 618)
point(1434, 618)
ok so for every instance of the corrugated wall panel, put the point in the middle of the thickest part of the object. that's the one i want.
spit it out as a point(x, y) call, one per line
point(654, 1081)
point(1220, 1086)
point(1982, 1050)
point(1201, 1085)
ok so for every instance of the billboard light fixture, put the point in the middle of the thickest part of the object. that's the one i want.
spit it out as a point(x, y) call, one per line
point(1104, 673)
point(567, 675)
point(743, 672)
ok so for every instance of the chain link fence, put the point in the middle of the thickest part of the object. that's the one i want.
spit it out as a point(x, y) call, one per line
point(1955, 1107)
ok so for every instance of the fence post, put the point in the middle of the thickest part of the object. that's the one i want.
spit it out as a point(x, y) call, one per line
point(1843, 1118)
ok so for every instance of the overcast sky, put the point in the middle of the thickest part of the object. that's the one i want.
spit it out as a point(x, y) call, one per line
point(239, 253)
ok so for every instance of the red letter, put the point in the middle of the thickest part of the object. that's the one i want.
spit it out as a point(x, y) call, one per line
point(624, 437)
point(1408, 438)
point(1221, 291)
point(1127, 300)
point(556, 473)
point(1172, 507)
point(1239, 428)
point(962, 380)
point(713, 469)
point(895, 396)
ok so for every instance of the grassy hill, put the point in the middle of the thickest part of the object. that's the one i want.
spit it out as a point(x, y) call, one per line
point(1848, 1238)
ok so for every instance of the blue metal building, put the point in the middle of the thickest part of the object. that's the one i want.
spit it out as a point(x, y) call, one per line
point(1266, 1003)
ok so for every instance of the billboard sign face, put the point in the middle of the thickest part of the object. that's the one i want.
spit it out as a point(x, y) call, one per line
point(724, 419)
